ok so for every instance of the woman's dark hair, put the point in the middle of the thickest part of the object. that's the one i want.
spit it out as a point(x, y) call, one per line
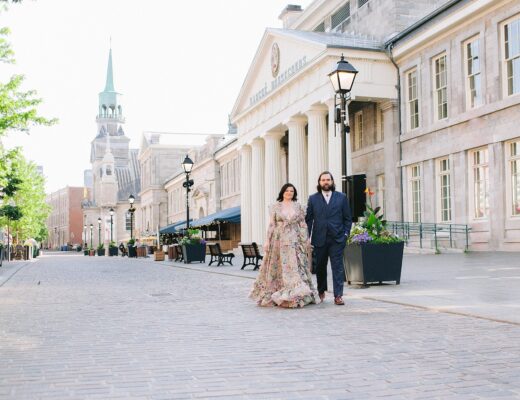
point(284, 188)
point(332, 187)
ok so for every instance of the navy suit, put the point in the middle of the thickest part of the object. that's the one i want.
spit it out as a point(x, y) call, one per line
point(329, 226)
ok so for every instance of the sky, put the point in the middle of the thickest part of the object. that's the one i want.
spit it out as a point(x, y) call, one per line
point(178, 64)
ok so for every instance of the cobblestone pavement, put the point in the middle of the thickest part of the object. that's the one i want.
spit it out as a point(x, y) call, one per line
point(74, 327)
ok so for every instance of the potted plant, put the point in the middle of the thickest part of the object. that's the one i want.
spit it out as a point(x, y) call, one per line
point(101, 250)
point(193, 247)
point(112, 249)
point(373, 254)
point(132, 251)
point(91, 252)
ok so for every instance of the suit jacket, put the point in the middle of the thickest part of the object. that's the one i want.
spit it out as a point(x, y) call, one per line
point(333, 219)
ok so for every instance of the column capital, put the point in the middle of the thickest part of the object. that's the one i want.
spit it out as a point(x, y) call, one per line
point(276, 134)
point(244, 148)
point(296, 121)
point(387, 105)
point(317, 110)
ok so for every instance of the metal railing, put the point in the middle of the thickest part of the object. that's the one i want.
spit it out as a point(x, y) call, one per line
point(423, 230)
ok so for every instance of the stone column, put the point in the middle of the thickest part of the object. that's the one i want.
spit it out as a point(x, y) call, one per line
point(334, 147)
point(393, 192)
point(298, 156)
point(317, 145)
point(258, 206)
point(245, 193)
point(273, 167)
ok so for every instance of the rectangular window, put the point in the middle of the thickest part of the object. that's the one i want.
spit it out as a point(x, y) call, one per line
point(128, 221)
point(514, 171)
point(341, 15)
point(320, 27)
point(380, 132)
point(473, 83)
point(361, 3)
point(358, 134)
point(413, 100)
point(415, 191)
point(441, 87)
point(444, 189)
point(480, 169)
point(380, 192)
point(512, 55)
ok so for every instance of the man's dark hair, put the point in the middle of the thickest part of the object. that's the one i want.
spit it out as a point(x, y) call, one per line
point(284, 188)
point(332, 187)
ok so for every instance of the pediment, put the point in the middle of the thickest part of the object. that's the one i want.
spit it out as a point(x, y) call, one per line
point(281, 56)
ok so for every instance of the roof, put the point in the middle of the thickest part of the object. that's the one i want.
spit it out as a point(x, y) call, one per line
point(231, 215)
point(333, 39)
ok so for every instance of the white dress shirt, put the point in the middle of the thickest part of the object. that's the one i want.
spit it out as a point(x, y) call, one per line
point(326, 195)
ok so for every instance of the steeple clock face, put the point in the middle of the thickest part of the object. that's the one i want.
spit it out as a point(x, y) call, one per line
point(275, 59)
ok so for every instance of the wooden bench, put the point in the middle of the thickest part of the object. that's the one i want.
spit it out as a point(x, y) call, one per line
point(252, 255)
point(216, 255)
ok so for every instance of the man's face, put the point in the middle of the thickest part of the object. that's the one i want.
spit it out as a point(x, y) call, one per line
point(326, 182)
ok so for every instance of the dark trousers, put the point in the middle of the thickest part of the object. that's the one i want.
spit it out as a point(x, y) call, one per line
point(334, 251)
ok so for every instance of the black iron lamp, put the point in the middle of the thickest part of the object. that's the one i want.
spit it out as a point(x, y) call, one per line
point(187, 165)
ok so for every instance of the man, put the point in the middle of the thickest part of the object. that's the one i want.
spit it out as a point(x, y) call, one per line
point(329, 220)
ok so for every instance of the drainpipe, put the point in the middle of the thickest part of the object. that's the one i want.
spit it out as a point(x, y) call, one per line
point(398, 87)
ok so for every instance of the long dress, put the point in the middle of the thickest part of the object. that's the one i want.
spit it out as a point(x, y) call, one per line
point(285, 279)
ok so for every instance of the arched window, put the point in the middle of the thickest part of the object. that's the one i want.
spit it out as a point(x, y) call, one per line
point(104, 110)
point(201, 212)
point(108, 170)
point(120, 110)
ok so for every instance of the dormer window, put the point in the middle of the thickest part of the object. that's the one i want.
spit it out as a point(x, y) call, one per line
point(108, 170)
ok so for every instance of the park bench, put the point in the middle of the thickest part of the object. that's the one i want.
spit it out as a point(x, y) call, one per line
point(252, 255)
point(216, 255)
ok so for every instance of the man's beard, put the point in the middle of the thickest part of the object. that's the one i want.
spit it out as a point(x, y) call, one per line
point(326, 187)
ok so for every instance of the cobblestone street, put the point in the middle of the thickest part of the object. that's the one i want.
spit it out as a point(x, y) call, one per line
point(74, 327)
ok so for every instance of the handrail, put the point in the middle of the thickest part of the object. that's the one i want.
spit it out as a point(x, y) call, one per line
point(406, 229)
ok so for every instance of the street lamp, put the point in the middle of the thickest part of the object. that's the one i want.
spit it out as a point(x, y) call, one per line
point(342, 79)
point(187, 165)
point(131, 210)
point(111, 212)
point(85, 233)
point(99, 230)
point(91, 228)
point(56, 244)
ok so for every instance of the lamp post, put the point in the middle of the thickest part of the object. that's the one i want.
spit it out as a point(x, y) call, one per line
point(111, 212)
point(99, 230)
point(131, 210)
point(91, 228)
point(85, 234)
point(56, 245)
point(187, 165)
point(342, 79)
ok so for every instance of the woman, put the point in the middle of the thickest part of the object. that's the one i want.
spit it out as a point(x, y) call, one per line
point(284, 278)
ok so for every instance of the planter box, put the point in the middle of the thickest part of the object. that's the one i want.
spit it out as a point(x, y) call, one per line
point(194, 252)
point(92, 253)
point(100, 252)
point(158, 255)
point(370, 262)
point(85, 252)
point(132, 251)
point(113, 251)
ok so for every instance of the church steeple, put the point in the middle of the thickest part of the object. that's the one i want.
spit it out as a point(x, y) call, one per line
point(110, 115)
point(109, 86)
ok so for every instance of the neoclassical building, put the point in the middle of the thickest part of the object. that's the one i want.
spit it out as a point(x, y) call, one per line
point(433, 111)
point(115, 171)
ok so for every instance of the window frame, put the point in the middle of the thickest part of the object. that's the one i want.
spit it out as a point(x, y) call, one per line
point(409, 100)
point(358, 130)
point(510, 186)
point(414, 181)
point(504, 60)
point(444, 173)
point(472, 168)
point(467, 76)
point(438, 90)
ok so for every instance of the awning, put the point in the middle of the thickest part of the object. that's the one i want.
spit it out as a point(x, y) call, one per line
point(173, 228)
point(231, 215)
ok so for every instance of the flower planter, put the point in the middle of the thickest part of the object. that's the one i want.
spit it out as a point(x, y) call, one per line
point(158, 255)
point(85, 252)
point(194, 252)
point(132, 251)
point(112, 251)
point(374, 262)
point(100, 252)
point(92, 253)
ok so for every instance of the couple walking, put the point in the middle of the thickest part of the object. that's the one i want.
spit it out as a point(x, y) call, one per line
point(285, 276)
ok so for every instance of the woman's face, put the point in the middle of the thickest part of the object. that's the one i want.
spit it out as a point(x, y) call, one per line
point(289, 193)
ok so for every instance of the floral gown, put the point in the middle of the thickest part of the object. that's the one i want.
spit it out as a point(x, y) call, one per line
point(285, 279)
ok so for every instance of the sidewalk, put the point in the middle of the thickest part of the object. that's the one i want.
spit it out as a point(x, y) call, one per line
point(478, 284)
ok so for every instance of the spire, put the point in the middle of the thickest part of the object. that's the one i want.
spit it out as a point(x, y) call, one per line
point(109, 86)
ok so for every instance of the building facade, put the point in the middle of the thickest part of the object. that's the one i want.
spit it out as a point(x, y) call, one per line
point(432, 112)
point(65, 222)
point(115, 173)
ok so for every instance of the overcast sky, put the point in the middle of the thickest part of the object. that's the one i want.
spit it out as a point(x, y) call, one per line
point(178, 64)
